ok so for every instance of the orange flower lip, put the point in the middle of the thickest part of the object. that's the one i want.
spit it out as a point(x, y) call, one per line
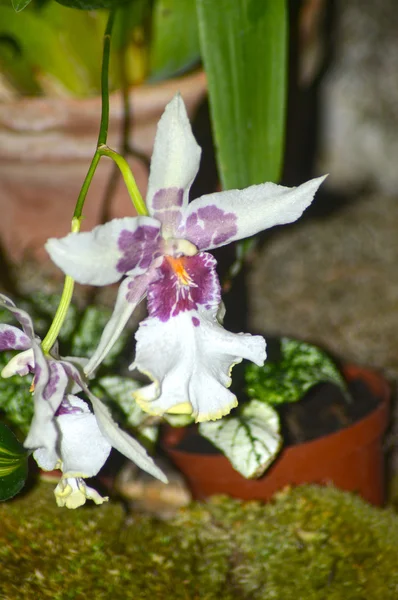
point(178, 266)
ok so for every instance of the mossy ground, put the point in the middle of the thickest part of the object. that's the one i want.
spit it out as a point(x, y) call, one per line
point(311, 543)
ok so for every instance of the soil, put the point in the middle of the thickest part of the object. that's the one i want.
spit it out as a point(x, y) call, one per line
point(322, 411)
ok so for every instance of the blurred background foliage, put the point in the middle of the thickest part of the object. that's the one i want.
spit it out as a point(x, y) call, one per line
point(55, 50)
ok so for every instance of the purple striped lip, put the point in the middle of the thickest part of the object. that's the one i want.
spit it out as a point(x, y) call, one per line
point(183, 284)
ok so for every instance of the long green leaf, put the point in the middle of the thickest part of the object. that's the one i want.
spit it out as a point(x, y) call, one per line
point(243, 46)
point(175, 38)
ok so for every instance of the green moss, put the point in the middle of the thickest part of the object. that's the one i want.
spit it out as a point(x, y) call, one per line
point(311, 543)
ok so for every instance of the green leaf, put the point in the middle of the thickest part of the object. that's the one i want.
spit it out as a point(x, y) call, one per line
point(13, 464)
point(175, 39)
point(128, 19)
point(16, 68)
point(81, 35)
point(300, 367)
point(120, 390)
point(249, 440)
point(244, 50)
point(51, 56)
point(19, 5)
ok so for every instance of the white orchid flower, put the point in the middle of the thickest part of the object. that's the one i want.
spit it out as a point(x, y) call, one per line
point(64, 433)
point(181, 346)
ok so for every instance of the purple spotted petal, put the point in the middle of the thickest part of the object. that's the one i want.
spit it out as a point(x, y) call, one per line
point(184, 284)
point(21, 316)
point(54, 390)
point(103, 255)
point(40, 428)
point(138, 248)
point(218, 219)
point(167, 205)
point(167, 199)
point(209, 227)
point(175, 158)
point(12, 338)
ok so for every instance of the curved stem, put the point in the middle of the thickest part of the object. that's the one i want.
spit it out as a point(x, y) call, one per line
point(103, 132)
point(67, 291)
point(77, 215)
point(59, 316)
point(128, 177)
point(104, 124)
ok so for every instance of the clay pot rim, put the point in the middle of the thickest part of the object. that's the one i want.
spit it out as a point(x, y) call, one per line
point(16, 114)
point(368, 428)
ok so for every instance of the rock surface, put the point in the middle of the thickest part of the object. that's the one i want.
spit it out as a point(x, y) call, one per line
point(333, 280)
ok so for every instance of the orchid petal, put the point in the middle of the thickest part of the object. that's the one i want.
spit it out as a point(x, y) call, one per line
point(118, 438)
point(21, 364)
point(183, 284)
point(21, 315)
point(131, 292)
point(49, 388)
point(189, 359)
point(103, 255)
point(12, 338)
point(121, 441)
point(218, 219)
point(83, 448)
point(183, 348)
point(174, 165)
point(47, 457)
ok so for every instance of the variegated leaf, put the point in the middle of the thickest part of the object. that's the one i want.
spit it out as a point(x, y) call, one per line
point(250, 440)
point(299, 367)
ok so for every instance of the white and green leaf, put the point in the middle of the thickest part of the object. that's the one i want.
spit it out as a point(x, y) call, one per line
point(299, 367)
point(250, 440)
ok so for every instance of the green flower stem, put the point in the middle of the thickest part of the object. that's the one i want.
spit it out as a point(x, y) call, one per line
point(128, 177)
point(67, 292)
point(60, 315)
point(104, 125)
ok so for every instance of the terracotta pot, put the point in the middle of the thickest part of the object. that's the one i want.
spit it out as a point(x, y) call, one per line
point(46, 145)
point(351, 458)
